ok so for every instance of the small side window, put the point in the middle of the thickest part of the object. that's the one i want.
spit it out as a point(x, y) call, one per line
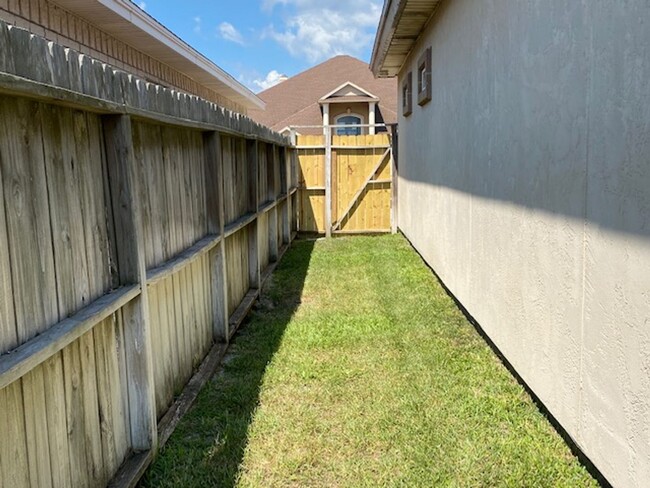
point(407, 95)
point(424, 78)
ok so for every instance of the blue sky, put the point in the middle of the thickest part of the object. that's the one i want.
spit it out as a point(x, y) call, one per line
point(255, 40)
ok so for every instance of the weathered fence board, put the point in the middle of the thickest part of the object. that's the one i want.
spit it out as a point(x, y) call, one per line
point(135, 226)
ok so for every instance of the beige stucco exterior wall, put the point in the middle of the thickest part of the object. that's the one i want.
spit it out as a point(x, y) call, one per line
point(337, 109)
point(48, 20)
point(525, 183)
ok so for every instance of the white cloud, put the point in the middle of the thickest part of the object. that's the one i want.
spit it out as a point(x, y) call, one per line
point(272, 79)
point(198, 27)
point(228, 32)
point(319, 30)
point(142, 5)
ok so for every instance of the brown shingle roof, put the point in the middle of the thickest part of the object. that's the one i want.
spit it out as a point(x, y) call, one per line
point(295, 101)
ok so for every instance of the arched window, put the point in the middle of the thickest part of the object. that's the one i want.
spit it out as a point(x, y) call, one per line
point(348, 119)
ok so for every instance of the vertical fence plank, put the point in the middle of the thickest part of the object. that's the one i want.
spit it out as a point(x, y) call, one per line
point(12, 423)
point(32, 261)
point(214, 191)
point(66, 163)
point(8, 333)
point(15, 472)
point(131, 268)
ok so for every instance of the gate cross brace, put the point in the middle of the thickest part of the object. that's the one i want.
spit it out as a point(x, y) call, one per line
point(358, 194)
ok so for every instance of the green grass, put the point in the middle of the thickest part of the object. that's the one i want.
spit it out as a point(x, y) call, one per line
point(357, 370)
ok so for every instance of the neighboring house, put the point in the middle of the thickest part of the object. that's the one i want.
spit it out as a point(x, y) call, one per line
point(341, 90)
point(524, 181)
point(119, 33)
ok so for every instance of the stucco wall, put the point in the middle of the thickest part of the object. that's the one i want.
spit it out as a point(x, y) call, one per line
point(337, 109)
point(525, 183)
point(44, 18)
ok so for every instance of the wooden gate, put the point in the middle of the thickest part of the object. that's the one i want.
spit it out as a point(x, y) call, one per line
point(346, 187)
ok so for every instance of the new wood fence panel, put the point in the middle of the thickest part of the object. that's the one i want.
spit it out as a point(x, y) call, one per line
point(361, 183)
point(311, 173)
point(372, 211)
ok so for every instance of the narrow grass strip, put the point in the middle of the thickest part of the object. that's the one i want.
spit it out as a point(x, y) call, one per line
point(358, 370)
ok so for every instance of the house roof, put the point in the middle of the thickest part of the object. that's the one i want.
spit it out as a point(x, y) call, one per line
point(127, 22)
point(400, 26)
point(295, 101)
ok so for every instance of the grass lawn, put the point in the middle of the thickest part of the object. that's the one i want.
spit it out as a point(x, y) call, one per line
point(358, 370)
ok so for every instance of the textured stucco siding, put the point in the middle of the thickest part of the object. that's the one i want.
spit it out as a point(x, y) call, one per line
point(44, 18)
point(525, 183)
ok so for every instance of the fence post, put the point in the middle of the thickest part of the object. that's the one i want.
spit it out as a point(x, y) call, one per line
point(215, 216)
point(294, 176)
point(124, 184)
point(394, 154)
point(273, 213)
point(252, 158)
point(285, 155)
point(328, 181)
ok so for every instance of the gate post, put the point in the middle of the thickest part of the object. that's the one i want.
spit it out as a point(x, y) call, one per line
point(394, 159)
point(328, 181)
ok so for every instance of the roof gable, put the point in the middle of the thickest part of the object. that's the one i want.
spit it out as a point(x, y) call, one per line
point(296, 100)
point(349, 89)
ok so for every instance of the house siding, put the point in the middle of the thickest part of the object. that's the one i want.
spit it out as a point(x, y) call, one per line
point(337, 109)
point(525, 184)
point(45, 19)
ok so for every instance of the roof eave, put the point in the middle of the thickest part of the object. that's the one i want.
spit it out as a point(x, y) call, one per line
point(166, 46)
point(387, 36)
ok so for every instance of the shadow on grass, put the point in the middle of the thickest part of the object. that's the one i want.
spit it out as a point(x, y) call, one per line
point(208, 445)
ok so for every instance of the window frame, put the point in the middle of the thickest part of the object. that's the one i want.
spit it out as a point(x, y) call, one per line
point(341, 116)
point(407, 95)
point(424, 73)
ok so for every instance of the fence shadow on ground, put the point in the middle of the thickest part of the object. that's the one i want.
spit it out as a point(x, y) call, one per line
point(210, 442)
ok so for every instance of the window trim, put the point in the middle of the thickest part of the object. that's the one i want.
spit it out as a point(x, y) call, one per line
point(407, 95)
point(424, 72)
point(340, 116)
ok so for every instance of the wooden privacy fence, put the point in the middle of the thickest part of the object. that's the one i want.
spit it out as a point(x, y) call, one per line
point(136, 227)
point(346, 183)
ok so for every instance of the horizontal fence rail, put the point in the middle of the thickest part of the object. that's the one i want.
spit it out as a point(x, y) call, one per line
point(137, 225)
